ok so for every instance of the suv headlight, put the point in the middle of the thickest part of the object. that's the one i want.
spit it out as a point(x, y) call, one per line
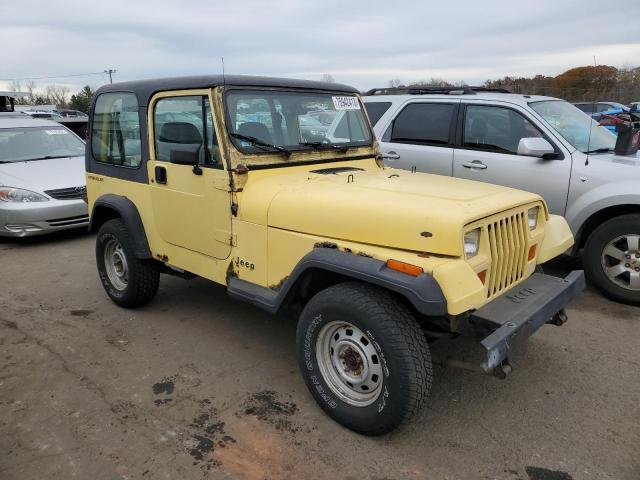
point(471, 243)
point(532, 219)
point(18, 195)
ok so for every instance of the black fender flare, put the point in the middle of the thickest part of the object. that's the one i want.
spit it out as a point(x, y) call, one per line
point(423, 291)
point(110, 206)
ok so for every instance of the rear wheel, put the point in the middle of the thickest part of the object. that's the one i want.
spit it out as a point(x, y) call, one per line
point(129, 281)
point(612, 258)
point(363, 357)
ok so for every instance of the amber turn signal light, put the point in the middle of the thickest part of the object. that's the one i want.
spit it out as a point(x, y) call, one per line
point(532, 252)
point(482, 276)
point(407, 268)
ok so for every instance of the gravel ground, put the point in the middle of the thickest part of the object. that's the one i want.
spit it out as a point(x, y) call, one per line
point(198, 385)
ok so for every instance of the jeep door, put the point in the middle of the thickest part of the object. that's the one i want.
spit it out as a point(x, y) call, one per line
point(422, 136)
point(189, 185)
point(487, 142)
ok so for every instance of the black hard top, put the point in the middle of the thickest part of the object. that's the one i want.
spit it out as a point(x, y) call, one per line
point(144, 89)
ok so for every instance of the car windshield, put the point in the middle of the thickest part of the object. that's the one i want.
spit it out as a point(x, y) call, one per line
point(285, 122)
point(38, 143)
point(578, 128)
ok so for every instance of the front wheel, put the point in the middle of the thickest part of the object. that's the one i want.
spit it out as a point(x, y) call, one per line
point(612, 258)
point(129, 281)
point(363, 357)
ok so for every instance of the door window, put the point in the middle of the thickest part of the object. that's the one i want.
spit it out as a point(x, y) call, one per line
point(604, 107)
point(496, 129)
point(186, 123)
point(423, 124)
point(115, 132)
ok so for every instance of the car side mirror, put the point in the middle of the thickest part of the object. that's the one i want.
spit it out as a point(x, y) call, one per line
point(184, 155)
point(536, 147)
point(187, 155)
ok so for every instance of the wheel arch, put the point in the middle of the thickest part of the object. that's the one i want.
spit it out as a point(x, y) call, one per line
point(109, 207)
point(324, 267)
point(597, 218)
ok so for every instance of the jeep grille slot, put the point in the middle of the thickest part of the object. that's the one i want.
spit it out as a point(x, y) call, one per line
point(508, 243)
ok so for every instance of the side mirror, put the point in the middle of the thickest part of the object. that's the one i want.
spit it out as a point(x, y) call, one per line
point(536, 147)
point(185, 155)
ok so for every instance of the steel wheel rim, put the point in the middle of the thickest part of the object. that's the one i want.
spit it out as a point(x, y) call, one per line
point(621, 261)
point(115, 263)
point(350, 363)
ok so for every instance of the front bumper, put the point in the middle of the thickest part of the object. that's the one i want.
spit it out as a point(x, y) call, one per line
point(37, 218)
point(506, 322)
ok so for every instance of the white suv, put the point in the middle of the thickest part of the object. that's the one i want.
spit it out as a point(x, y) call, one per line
point(535, 143)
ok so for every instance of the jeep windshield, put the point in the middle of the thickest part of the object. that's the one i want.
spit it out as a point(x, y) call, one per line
point(578, 128)
point(286, 123)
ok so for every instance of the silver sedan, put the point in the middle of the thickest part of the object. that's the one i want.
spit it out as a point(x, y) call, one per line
point(42, 177)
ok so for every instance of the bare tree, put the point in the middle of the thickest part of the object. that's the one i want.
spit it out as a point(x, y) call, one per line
point(16, 86)
point(327, 77)
point(395, 83)
point(57, 95)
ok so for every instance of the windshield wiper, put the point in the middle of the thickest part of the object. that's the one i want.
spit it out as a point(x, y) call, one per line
point(600, 150)
point(47, 157)
point(259, 143)
point(325, 146)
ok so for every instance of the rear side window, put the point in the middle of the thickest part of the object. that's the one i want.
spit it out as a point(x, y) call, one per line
point(423, 124)
point(115, 134)
point(376, 110)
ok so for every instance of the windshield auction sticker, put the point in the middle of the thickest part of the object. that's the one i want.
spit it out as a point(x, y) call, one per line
point(56, 132)
point(346, 103)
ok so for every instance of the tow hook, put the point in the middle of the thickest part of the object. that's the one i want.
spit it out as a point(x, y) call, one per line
point(502, 370)
point(559, 318)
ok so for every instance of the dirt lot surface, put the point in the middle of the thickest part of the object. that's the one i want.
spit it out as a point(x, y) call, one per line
point(198, 385)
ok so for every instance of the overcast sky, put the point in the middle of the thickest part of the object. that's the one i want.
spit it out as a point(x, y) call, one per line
point(363, 43)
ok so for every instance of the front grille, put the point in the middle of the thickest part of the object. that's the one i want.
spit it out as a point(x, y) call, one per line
point(508, 242)
point(70, 193)
point(68, 221)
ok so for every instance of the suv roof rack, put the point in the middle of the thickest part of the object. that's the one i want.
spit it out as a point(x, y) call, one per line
point(464, 90)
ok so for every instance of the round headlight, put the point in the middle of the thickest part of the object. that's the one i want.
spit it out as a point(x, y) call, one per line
point(18, 195)
point(533, 218)
point(471, 243)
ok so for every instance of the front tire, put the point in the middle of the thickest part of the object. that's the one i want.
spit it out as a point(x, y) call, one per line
point(363, 357)
point(612, 259)
point(129, 281)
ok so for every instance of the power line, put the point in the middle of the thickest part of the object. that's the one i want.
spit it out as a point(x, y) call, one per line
point(52, 76)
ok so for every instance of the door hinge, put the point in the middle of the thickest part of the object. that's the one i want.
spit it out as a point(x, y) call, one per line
point(221, 183)
point(226, 237)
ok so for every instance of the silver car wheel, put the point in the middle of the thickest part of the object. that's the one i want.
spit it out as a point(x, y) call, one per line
point(621, 261)
point(115, 263)
point(349, 363)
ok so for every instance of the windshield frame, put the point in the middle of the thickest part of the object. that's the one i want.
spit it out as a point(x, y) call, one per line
point(315, 155)
point(23, 128)
point(559, 133)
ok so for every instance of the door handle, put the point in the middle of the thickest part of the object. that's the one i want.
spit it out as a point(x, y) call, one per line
point(391, 156)
point(161, 174)
point(476, 165)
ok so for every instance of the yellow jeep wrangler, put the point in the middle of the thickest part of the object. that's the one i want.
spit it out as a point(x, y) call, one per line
point(276, 189)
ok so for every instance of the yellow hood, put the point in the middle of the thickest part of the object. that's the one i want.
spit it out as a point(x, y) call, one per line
point(385, 207)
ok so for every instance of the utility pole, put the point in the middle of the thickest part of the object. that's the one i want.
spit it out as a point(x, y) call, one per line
point(110, 72)
point(594, 61)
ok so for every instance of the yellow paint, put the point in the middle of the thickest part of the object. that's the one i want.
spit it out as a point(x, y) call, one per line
point(284, 212)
